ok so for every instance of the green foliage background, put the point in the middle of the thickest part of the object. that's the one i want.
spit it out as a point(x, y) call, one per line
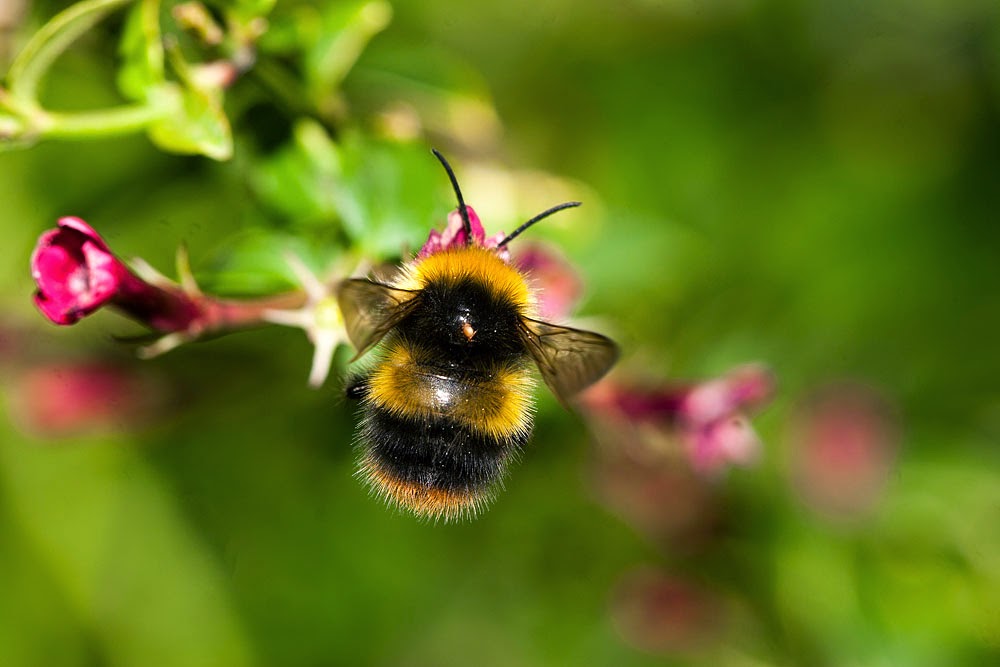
point(809, 183)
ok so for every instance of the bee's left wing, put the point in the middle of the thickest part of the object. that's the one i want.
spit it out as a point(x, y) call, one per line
point(570, 360)
point(371, 310)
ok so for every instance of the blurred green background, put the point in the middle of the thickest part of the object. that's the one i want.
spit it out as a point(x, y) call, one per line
point(810, 184)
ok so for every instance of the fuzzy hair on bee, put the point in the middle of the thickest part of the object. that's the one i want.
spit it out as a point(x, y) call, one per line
point(446, 405)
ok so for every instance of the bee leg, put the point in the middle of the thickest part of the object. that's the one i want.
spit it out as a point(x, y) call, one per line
point(357, 388)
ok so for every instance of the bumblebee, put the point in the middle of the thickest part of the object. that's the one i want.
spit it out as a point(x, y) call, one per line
point(447, 404)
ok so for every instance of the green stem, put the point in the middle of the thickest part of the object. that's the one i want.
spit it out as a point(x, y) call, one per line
point(49, 42)
point(152, 38)
point(102, 123)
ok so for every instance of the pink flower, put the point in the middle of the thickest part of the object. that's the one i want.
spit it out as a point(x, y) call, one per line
point(708, 419)
point(557, 285)
point(68, 398)
point(713, 416)
point(454, 236)
point(76, 274)
point(844, 442)
point(662, 613)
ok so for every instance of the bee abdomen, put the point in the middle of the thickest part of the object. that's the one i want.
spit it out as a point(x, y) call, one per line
point(434, 466)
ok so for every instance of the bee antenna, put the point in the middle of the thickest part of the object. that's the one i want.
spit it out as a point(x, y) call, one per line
point(466, 224)
point(537, 218)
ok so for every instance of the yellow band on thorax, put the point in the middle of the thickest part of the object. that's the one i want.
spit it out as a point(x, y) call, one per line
point(474, 263)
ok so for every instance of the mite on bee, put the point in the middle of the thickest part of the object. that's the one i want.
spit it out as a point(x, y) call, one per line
point(447, 404)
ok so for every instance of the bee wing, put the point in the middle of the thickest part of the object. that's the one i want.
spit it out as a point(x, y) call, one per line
point(569, 359)
point(371, 310)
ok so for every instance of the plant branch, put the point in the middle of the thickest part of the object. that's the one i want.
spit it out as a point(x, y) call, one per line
point(50, 42)
point(100, 123)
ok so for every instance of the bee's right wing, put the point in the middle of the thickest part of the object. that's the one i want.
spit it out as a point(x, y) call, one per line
point(570, 360)
point(371, 310)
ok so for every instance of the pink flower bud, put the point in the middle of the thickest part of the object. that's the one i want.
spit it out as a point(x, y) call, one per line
point(76, 273)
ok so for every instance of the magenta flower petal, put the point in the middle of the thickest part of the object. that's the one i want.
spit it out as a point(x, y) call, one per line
point(454, 236)
point(634, 403)
point(741, 388)
point(712, 418)
point(75, 272)
point(715, 445)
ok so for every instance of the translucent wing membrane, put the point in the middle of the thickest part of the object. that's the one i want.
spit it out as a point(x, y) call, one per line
point(371, 310)
point(569, 359)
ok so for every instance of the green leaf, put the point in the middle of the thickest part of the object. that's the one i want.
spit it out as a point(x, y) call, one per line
point(386, 195)
point(347, 29)
point(198, 126)
point(255, 262)
point(390, 194)
point(196, 122)
point(142, 52)
point(298, 181)
point(292, 30)
point(50, 42)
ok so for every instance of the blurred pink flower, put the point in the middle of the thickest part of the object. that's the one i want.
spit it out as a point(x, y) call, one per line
point(76, 274)
point(843, 448)
point(714, 417)
point(661, 613)
point(708, 419)
point(557, 284)
point(70, 398)
point(454, 236)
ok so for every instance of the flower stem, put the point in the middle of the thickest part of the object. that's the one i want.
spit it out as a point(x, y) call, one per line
point(49, 43)
point(230, 314)
point(105, 122)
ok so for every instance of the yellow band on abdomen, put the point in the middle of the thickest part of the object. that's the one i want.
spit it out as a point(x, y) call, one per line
point(497, 403)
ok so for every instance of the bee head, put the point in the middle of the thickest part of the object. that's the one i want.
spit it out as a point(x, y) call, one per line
point(467, 316)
